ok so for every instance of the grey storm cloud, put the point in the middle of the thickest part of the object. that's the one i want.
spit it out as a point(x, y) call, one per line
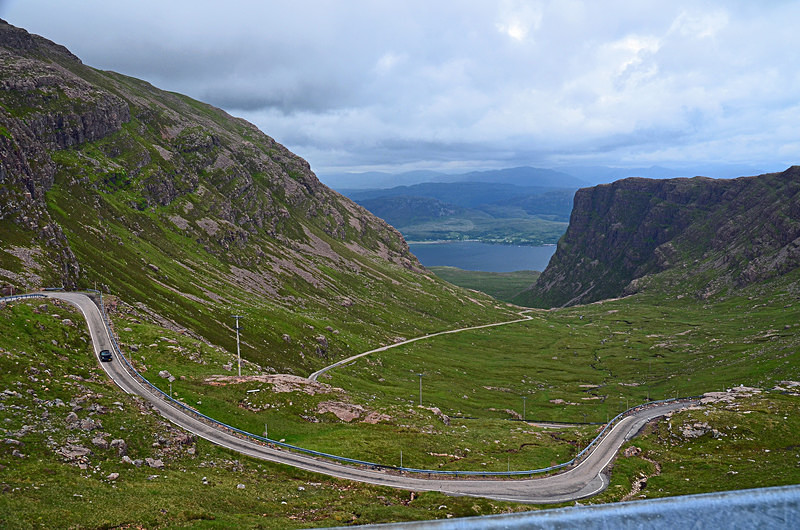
point(363, 85)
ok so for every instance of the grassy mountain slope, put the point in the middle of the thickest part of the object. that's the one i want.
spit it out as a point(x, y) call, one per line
point(190, 215)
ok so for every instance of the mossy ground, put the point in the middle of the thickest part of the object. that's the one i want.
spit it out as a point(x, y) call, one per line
point(607, 356)
point(43, 361)
point(750, 443)
point(504, 286)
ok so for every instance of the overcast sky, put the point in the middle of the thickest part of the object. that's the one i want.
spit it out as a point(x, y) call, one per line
point(458, 85)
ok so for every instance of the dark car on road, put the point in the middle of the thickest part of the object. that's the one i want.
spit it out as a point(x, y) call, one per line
point(105, 356)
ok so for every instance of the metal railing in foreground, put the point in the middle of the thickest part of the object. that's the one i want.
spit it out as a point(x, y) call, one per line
point(14, 297)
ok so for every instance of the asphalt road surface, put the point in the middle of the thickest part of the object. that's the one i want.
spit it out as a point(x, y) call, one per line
point(584, 480)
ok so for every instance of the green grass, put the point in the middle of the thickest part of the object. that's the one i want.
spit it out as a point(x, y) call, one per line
point(583, 364)
point(599, 358)
point(43, 360)
point(295, 417)
point(663, 345)
point(500, 285)
point(750, 443)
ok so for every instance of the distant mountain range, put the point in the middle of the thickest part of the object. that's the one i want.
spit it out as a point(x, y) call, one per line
point(558, 177)
point(486, 211)
point(518, 176)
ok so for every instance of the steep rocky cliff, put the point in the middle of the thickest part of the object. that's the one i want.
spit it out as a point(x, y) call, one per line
point(713, 234)
point(186, 211)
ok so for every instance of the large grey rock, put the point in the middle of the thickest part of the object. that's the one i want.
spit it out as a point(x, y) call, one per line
point(120, 445)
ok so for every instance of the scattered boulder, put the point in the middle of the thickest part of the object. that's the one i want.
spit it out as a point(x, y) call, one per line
point(100, 442)
point(439, 414)
point(98, 408)
point(695, 430)
point(376, 417)
point(113, 476)
point(23, 431)
point(72, 452)
point(344, 411)
point(632, 451)
point(72, 420)
point(184, 439)
point(121, 447)
point(155, 463)
point(88, 424)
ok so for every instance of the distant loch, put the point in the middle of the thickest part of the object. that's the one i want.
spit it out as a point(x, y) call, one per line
point(477, 256)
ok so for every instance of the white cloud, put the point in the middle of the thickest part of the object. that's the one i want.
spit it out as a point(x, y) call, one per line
point(387, 63)
point(464, 82)
point(518, 19)
point(699, 25)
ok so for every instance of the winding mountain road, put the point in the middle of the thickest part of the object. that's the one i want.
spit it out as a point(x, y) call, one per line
point(583, 480)
point(315, 375)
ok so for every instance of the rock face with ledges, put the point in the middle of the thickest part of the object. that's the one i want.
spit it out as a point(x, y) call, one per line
point(743, 230)
point(64, 121)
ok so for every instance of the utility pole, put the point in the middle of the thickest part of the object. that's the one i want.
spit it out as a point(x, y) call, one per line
point(524, 407)
point(420, 389)
point(238, 350)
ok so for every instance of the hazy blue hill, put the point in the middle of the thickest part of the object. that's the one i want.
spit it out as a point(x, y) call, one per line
point(472, 210)
point(526, 176)
point(519, 176)
point(464, 194)
point(403, 210)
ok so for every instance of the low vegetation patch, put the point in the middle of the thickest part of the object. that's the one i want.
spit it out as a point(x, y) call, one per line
point(504, 286)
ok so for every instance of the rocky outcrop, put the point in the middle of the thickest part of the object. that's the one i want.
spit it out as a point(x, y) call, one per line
point(744, 230)
point(184, 211)
point(172, 149)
